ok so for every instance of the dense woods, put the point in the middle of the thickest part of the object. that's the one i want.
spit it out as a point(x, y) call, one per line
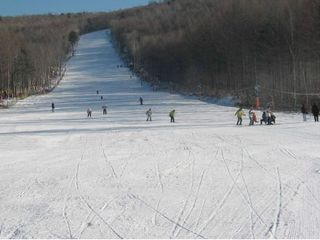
point(245, 48)
point(34, 49)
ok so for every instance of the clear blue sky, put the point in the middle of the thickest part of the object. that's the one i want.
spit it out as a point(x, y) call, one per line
point(28, 7)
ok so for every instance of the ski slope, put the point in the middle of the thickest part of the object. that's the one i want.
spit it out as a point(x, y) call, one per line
point(63, 175)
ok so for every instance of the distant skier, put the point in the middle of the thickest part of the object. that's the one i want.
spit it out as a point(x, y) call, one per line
point(97, 91)
point(268, 117)
point(172, 114)
point(141, 100)
point(101, 97)
point(52, 106)
point(268, 114)
point(255, 120)
point(271, 118)
point(252, 117)
point(149, 113)
point(240, 113)
point(263, 118)
point(89, 112)
point(304, 112)
point(104, 110)
point(315, 112)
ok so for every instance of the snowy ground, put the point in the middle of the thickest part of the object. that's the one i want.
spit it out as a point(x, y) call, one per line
point(65, 176)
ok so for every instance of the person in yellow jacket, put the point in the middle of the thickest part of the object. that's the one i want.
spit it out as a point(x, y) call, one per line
point(240, 113)
point(172, 114)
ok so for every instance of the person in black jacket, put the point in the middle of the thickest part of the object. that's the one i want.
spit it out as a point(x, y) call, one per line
point(52, 106)
point(315, 112)
point(104, 110)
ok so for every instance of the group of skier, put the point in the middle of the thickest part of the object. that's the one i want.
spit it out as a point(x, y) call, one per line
point(267, 117)
point(149, 113)
point(104, 110)
point(171, 115)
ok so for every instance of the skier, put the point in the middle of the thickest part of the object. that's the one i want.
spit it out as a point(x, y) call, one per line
point(101, 97)
point(149, 113)
point(315, 112)
point(172, 115)
point(269, 116)
point(97, 91)
point(141, 100)
point(252, 116)
point(89, 112)
point(104, 110)
point(240, 113)
point(304, 112)
point(52, 106)
point(263, 118)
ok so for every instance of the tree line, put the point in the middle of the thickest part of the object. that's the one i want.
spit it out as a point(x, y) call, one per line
point(243, 48)
point(34, 49)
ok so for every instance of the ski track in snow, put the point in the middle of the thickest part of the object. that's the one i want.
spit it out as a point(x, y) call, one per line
point(89, 205)
point(118, 176)
point(278, 211)
point(108, 163)
point(241, 192)
point(166, 217)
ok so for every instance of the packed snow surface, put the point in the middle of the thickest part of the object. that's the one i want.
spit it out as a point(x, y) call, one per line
point(63, 175)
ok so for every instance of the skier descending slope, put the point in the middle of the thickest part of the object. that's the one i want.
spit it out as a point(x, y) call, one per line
point(104, 110)
point(172, 115)
point(89, 112)
point(141, 100)
point(149, 113)
point(52, 106)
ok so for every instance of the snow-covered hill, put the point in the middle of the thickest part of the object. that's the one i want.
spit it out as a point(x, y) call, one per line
point(63, 175)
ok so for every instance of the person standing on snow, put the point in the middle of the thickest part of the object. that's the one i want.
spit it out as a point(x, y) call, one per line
point(52, 106)
point(263, 118)
point(104, 110)
point(304, 112)
point(141, 100)
point(89, 112)
point(240, 113)
point(252, 116)
point(270, 117)
point(149, 113)
point(315, 112)
point(172, 114)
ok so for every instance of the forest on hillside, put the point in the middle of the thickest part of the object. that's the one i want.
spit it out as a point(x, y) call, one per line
point(34, 49)
point(243, 48)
